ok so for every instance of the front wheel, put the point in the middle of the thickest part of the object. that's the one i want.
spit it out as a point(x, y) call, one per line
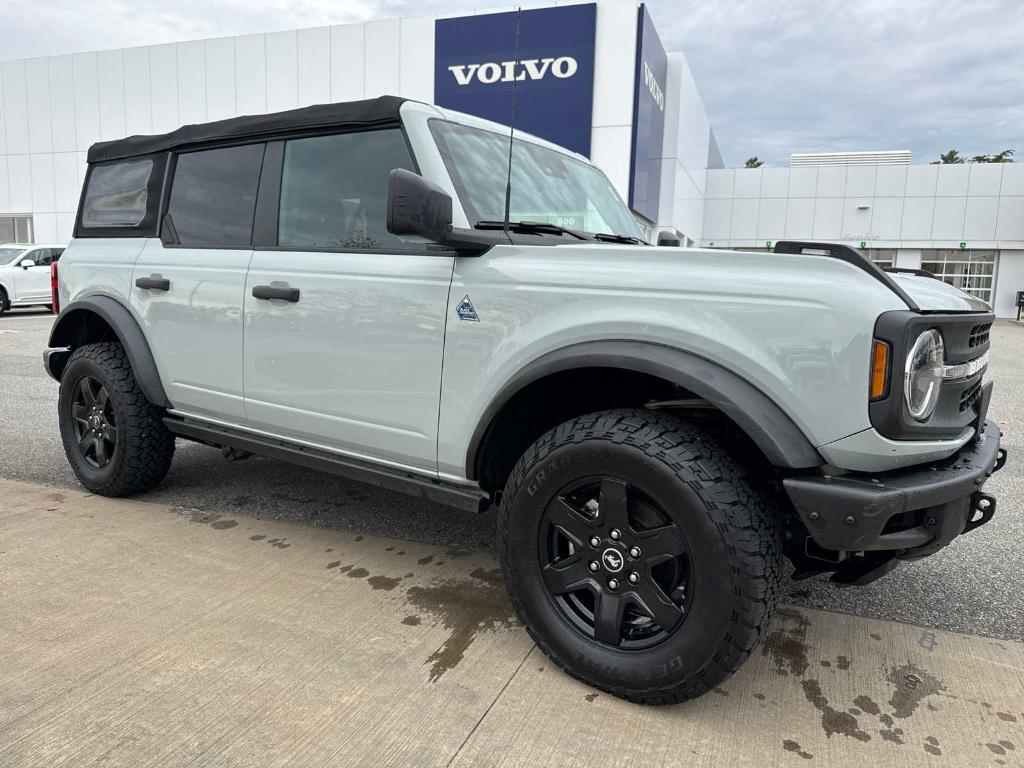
point(114, 438)
point(638, 555)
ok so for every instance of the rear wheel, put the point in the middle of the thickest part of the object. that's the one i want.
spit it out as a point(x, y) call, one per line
point(638, 555)
point(114, 438)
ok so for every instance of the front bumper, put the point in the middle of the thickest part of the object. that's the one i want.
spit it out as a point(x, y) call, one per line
point(910, 512)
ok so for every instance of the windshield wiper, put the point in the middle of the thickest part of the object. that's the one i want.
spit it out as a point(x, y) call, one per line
point(609, 237)
point(533, 226)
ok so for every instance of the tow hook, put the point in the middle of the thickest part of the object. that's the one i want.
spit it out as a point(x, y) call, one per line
point(1000, 460)
point(983, 506)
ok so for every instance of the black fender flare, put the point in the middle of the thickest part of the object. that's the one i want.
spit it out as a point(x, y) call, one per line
point(782, 441)
point(66, 334)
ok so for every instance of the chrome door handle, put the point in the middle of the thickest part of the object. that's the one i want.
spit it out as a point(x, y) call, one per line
point(282, 292)
point(153, 283)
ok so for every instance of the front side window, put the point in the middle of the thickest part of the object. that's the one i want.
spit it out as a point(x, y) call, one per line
point(213, 196)
point(117, 194)
point(547, 185)
point(44, 257)
point(334, 190)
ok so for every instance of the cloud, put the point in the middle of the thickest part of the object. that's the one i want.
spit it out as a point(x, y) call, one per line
point(791, 76)
point(776, 76)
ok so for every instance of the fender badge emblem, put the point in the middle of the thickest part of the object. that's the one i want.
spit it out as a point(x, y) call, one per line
point(466, 310)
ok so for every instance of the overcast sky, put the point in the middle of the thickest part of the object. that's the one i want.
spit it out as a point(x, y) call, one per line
point(777, 76)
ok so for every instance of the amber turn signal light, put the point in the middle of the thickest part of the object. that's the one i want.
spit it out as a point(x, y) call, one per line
point(879, 369)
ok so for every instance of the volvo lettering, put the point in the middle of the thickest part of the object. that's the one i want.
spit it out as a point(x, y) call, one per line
point(562, 67)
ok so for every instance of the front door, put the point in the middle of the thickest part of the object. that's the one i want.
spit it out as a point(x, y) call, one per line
point(33, 283)
point(187, 286)
point(344, 322)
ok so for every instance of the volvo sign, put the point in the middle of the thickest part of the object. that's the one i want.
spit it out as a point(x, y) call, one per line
point(648, 119)
point(476, 68)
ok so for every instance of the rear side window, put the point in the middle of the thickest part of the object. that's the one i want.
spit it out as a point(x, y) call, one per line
point(117, 194)
point(334, 190)
point(213, 196)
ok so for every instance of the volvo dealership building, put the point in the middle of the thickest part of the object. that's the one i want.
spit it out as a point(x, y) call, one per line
point(593, 77)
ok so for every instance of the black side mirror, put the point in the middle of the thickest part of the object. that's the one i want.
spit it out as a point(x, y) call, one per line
point(418, 207)
point(668, 239)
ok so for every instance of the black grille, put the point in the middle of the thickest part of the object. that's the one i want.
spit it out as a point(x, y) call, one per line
point(979, 335)
point(970, 396)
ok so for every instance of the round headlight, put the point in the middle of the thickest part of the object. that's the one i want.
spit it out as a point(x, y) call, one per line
point(923, 375)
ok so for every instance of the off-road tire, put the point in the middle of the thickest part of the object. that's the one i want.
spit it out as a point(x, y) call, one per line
point(144, 447)
point(730, 526)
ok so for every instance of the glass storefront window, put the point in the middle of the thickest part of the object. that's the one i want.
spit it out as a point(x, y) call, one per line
point(16, 229)
point(883, 257)
point(971, 270)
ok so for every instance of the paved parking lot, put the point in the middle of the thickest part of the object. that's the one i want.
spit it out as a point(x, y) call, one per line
point(135, 633)
point(974, 586)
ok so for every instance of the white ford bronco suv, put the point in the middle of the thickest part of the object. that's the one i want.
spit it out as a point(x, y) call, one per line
point(391, 291)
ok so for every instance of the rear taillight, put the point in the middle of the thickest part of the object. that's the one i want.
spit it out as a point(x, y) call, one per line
point(53, 288)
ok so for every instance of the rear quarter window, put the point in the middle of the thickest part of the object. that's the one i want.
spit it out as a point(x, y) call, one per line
point(117, 194)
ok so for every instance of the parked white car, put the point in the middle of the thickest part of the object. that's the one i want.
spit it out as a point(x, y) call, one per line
point(25, 274)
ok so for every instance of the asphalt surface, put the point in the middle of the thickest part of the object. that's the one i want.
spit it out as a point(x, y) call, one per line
point(973, 586)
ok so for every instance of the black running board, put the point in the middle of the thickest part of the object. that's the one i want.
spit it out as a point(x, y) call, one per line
point(469, 499)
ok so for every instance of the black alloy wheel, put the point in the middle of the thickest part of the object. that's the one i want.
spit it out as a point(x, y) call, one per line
point(614, 563)
point(94, 422)
point(114, 437)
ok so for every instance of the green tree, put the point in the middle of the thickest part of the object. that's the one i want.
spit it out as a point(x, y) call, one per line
point(1006, 156)
point(753, 162)
point(949, 158)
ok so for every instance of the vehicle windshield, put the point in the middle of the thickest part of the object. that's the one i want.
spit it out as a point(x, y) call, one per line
point(8, 254)
point(547, 186)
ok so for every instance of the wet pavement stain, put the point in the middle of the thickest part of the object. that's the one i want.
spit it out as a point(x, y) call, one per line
point(345, 569)
point(465, 608)
point(358, 573)
point(412, 621)
point(335, 564)
point(591, 697)
point(257, 537)
point(359, 538)
point(866, 704)
point(913, 685)
point(1007, 744)
point(832, 720)
point(425, 560)
point(842, 662)
point(383, 582)
point(791, 746)
point(223, 525)
point(1006, 717)
point(759, 696)
point(787, 645)
point(931, 746)
point(876, 637)
point(996, 749)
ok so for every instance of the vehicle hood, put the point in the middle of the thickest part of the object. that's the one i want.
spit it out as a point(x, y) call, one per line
point(931, 294)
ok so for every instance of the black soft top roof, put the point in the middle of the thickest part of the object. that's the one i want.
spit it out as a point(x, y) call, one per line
point(349, 114)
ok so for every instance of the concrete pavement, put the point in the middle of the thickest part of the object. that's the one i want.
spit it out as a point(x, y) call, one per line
point(138, 634)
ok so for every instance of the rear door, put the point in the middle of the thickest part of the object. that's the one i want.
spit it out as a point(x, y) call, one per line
point(344, 322)
point(33, 283)
point(187, 285)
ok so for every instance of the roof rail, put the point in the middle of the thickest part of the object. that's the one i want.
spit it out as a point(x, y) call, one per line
point(851, 256)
